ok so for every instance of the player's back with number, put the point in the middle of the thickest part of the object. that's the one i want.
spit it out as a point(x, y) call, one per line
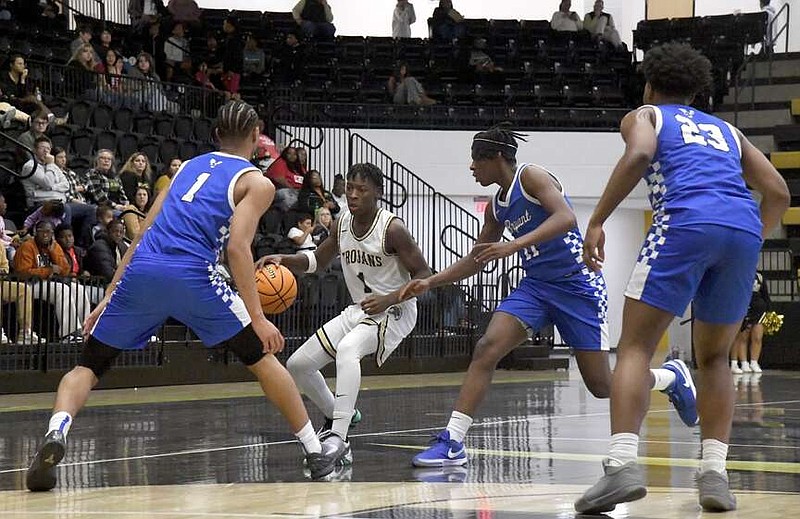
point(696, 174)
point(194, 221)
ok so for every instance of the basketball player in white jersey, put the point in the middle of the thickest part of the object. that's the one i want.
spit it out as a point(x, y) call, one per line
point(379, 257)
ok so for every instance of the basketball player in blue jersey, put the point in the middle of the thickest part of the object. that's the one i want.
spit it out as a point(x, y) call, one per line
point(557, 288)
point(213, 205)
point(703, 246)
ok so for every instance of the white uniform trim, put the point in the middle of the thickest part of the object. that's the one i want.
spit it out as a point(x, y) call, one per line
point(659, 117)
point(735, 134)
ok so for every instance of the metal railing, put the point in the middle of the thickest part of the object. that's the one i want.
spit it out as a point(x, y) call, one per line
point(780, 274)
point(785, 27)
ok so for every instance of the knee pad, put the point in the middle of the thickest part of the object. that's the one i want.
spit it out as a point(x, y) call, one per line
point(97, 356)
point(246, 346)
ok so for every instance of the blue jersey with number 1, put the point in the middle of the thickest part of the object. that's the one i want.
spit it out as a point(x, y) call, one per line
point(696, 174)
point(194, 221)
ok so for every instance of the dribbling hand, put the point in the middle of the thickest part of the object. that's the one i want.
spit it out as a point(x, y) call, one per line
point(414, 288)
point(594, 247)
point(273, 259)
point(272, 340)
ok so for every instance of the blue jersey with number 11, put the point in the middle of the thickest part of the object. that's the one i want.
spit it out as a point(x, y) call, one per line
point(696, 174)
point(194, 222)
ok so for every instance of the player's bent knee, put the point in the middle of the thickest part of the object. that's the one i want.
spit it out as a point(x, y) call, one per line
point(97, 356)
point(487, 353)
point(246, 346)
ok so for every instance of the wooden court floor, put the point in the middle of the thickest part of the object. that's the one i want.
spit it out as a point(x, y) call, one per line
point(220, 451)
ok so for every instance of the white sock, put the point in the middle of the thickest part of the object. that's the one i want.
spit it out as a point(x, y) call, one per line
point(458, 426)
point(663, 378)
point(623, 449)
point(714, 454)
point(309, 439)
point(60, 421)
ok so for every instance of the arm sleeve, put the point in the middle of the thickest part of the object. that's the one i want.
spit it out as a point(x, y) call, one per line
point(298, 9)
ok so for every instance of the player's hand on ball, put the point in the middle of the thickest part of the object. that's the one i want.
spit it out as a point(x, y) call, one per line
point(274, 259)
point(272, 340)
point(414, 288)
point(376, 304)
point(594, 247)
point(486, 252)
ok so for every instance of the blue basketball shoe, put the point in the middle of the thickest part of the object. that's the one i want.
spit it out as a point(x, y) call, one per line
point(682, 392)
point(443, 452)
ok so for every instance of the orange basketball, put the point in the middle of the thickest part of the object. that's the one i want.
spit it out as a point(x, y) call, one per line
point(277, 288)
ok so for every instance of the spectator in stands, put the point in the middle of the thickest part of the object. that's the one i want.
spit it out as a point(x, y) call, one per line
point(338, 193)
point(212, 59)
point(185, 11)
point(406, 89)
point(232, 55)
point(300, 234)
point(313, 195)
point(601, 25)
point(480, 60)
point(149, 86)
point(166, 177)
point(266, 152)
point(134, 215)
point(106, 252)
point(17, 88)
point(254, 59)
point(322, 226)
point(9, 115)
point(112, 87)
point(47, 181)
point(447, 23)
point(315, 18)
point(134, 173)
point(103, 186)
point(78, 208)
point(84, 37)
point(402, 19)
point(769, 39)
point(9, 244)
point(302, 158)
point(103, 216)
point(565, 20)
point(51, 211)
point(143, 12)
point(287, 175)
point(291, 65)
point(40, 258)
point(74, 255)
point(39, 123)
point(153, 44)
point(104, 45)
point(81, 73)
point(22, 296)
point(176, 50)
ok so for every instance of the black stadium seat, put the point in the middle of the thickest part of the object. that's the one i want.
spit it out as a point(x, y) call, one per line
point(184, 127)
point(102, 115)
point(127, 144)
point(123, 119)
point(106, 140)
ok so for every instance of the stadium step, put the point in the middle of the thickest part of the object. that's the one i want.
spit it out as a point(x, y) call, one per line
point(780, 69)
point(796, 107)
point(757, 118)
point(785, 159)
point(766, 93)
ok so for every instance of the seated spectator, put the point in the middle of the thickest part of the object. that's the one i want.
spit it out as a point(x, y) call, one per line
point(315, 18)
point(302, 158)
point(40, 259)
point(80, 74)
point(104, 45)
point(565, 20)
point(103, 186)
point(601, 25)
point(77, 206)
point(479, 60)
point(152, 43)
point(338, 194)
point(300, 234)
point(406, 89)
point(212, 58)
point(165, 179)
point(447, 23)
point(149, 89)
point(254, 59)
point(111, 82)
point(402, 19)
point(134, 173)
point(266, 152)
point(232, 55)
point(287, 175)
point(176, 50)
point(322, 226)
point(19, 91)
point(134, 215)
point(21, 295)
point(74, 255)
point(47, 181)
point(52, 211)
point(292, 59)
point(106, 252)
point(185, 11)
point(84, 37)
point(103, 217)
point(9, 243)
point(313, 195)
point(39, 123)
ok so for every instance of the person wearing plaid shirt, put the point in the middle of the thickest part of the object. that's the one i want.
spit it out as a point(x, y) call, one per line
point(102, 183)
point(80, 210)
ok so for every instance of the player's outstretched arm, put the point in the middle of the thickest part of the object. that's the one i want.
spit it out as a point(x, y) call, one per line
point(466, 267)
point(399, 241)
point(639, 133)
point(539, 184)
point(762, 176)
point(253, 195)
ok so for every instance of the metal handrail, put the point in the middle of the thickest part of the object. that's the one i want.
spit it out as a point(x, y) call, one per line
point(17, 144)
point(750, 59)
point(785, 26)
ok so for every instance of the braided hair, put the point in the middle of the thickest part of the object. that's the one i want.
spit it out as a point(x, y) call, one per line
point(236, 120)
point(497, 139)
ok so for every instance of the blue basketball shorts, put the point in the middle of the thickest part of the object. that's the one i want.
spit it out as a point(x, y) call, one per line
point(150, 292)
point(710, 264)
point(577, 305)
